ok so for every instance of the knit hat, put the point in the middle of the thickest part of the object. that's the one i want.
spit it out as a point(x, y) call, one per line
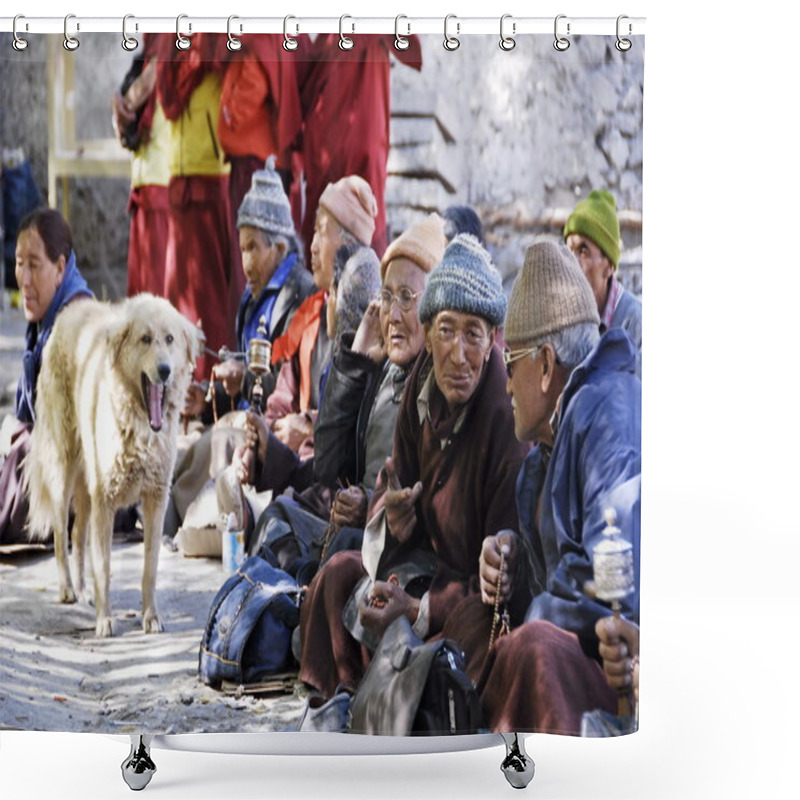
point(422, 243)
point(549, 294)
point(465, 280)
point(358, 283)
point(265, 206)
point(352, 203)
point(595, 217)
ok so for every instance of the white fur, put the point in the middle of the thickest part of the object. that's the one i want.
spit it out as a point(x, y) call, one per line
point(92, 444)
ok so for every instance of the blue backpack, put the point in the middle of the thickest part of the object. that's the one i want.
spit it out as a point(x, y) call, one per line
point(249, 630)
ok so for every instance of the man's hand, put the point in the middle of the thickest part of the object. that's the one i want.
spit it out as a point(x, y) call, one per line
point(254, 449)
point(293, 430)
point(504, 542)
point(231, 375)
point(401, 515)
point(194, 402)
point(122, 114)
point(368, 340)
point(385, 604)
point(619, 646)
point(349, 508)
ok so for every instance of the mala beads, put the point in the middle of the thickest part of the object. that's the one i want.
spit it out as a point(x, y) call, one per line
point(501, 622)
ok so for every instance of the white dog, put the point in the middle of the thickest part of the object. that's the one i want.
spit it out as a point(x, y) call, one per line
point(108, 401)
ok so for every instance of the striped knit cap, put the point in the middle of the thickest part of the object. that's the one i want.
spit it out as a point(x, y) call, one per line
point(595, 217)
point(466, 281)
point(549, 294)
point(265, 206)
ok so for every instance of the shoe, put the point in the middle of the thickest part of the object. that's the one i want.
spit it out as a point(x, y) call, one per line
point(329, 716)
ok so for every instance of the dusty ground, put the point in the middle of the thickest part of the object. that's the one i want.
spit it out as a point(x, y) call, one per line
point(54, 674)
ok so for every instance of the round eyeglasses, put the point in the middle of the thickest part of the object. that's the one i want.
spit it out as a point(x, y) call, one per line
point(405, 299)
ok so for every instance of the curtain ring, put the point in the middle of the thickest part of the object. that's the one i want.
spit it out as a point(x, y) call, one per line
point(182, 42)
point(289, 44)
point(561, 43)
point(234, 44)
point(400, 42)
point(451, 42)
point(128, 42)
point(70, 42)
point(19, 43)
point(345, 42)
point(623, 45)
point(507, 43)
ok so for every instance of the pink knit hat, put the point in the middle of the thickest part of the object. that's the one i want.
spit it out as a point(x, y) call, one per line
point(351, 202)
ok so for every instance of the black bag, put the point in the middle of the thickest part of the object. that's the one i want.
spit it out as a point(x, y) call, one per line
point(249, 630)
point(130, 135)
point(415, 688)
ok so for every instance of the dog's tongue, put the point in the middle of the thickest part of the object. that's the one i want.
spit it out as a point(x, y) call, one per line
point(156, 395)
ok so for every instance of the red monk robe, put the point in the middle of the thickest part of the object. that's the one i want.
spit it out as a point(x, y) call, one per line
point(345, 96)
point(198, 261)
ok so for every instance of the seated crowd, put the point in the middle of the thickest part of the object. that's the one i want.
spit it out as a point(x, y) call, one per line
point(414, 415)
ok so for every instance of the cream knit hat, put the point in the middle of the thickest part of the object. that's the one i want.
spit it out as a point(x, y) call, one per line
point(549, 294)
point(353, 205)
point(422, 243)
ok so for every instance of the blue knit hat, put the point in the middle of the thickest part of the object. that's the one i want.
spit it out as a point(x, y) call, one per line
point(265, 206)
point(466, 281)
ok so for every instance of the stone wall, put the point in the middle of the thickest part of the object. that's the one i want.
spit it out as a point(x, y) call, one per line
point(519, 135)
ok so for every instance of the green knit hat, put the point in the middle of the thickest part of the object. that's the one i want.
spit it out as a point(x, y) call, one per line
point(595, 217)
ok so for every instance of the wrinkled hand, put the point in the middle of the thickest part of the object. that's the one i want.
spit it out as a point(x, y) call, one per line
point(122, 114)
point(254, 449)
point(195, 400)
point(385, 604)
point(489, 567)
point(231, 375)
point(619, 645)
point(349, 508)
point(399, 502)
point(368, 340)
point(293, 430)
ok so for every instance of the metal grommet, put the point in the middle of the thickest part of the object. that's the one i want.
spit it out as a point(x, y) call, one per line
point(507, 43)
point(234, 44)
point(345, 42)
point(451, 42)
point(289, 44)
point(623, 45)
point(19, 43)
point(128, 42)
point(182, 42)
point(70, 42)
point(561, 43)
point(400, 42)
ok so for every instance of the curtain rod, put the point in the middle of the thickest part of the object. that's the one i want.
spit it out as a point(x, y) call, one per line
point(453, 26)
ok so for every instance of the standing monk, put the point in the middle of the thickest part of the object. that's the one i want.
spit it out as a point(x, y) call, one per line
point(345, 97)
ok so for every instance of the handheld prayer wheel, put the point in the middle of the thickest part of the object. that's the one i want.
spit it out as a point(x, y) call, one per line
point(259, 359)
point(614, 581)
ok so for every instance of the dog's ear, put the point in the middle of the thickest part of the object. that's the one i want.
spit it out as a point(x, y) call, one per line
point(116, 335)
point(194, 340)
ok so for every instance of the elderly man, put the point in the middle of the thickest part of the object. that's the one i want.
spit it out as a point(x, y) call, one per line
point(449, 484)
point(575, 394)
point(592, 233)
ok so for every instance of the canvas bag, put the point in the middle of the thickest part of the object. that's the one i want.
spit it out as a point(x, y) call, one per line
point(413, 688)
point(249, 630)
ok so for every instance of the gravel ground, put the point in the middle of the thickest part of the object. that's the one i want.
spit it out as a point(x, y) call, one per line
point(56, 676)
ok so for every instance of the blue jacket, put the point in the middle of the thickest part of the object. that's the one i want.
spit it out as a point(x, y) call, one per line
point(73, 285)
point(595, 463)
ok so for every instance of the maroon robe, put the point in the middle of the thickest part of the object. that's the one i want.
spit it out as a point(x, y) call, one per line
point(199, 244)
point(346, 105)
point(468, 494)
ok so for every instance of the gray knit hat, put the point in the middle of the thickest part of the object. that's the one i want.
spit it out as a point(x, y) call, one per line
point(265, 206)
point(549, 294)
point(465, 280)
point(358, 283)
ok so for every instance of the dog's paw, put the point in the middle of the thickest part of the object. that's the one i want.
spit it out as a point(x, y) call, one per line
point(86, 597)
point(104, 629)
point(151, 623)
point(66, 594)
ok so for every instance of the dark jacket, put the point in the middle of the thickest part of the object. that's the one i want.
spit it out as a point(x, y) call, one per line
point(73, 285)
point(595, 463)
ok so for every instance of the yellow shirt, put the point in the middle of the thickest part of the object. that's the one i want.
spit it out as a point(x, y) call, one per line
point(150, 163)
